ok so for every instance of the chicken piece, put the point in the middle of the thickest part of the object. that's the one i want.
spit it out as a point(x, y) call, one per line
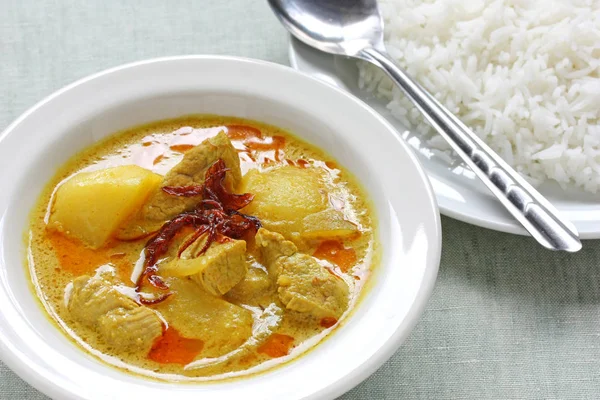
point(120, 321)
point(303, 284)
point(196, 314)
point(220, 268)
point(161, 206)
point(223, 266)
point(306, 286)
point(273, 246)
point(191, 171)
point(255, 289)
point(94, 297)
point(136, 329)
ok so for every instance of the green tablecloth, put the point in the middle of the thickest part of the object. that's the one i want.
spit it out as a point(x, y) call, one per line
point(507, 319)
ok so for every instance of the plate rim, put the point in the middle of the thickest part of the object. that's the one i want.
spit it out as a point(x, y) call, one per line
point(504, 224)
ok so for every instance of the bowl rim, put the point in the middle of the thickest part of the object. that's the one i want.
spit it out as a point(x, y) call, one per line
point(28, 373)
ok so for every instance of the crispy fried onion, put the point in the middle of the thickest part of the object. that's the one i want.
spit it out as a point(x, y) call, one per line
point(216, 214)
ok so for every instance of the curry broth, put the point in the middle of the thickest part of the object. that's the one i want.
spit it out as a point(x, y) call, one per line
point(55, 260)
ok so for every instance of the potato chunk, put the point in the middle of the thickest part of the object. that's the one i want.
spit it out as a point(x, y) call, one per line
point(197, 314)
point(327, 224)
point(284, 196)
point(91, 205)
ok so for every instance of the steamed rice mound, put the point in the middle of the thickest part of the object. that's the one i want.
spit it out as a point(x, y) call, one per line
point(524, 75)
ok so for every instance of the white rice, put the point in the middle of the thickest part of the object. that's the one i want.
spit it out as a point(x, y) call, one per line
point(523, 74)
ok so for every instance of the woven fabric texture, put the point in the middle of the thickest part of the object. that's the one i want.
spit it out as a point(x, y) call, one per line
point(507, 319)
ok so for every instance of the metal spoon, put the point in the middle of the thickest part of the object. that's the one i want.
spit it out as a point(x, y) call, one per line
point(354, 28)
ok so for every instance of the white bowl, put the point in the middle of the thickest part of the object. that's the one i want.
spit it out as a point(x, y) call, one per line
point(52, 131)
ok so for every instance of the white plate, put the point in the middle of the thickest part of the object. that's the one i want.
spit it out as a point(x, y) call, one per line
point(459, 193)
point(75, 117)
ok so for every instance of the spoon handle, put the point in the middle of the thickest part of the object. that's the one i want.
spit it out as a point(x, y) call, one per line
point(525, 203)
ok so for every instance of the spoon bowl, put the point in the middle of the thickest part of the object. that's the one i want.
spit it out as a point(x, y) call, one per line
point(335, 26)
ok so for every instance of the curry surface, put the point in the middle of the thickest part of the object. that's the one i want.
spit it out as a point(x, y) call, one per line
point(54, 260)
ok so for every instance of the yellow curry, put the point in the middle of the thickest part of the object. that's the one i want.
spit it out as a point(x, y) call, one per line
point(200, 248)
